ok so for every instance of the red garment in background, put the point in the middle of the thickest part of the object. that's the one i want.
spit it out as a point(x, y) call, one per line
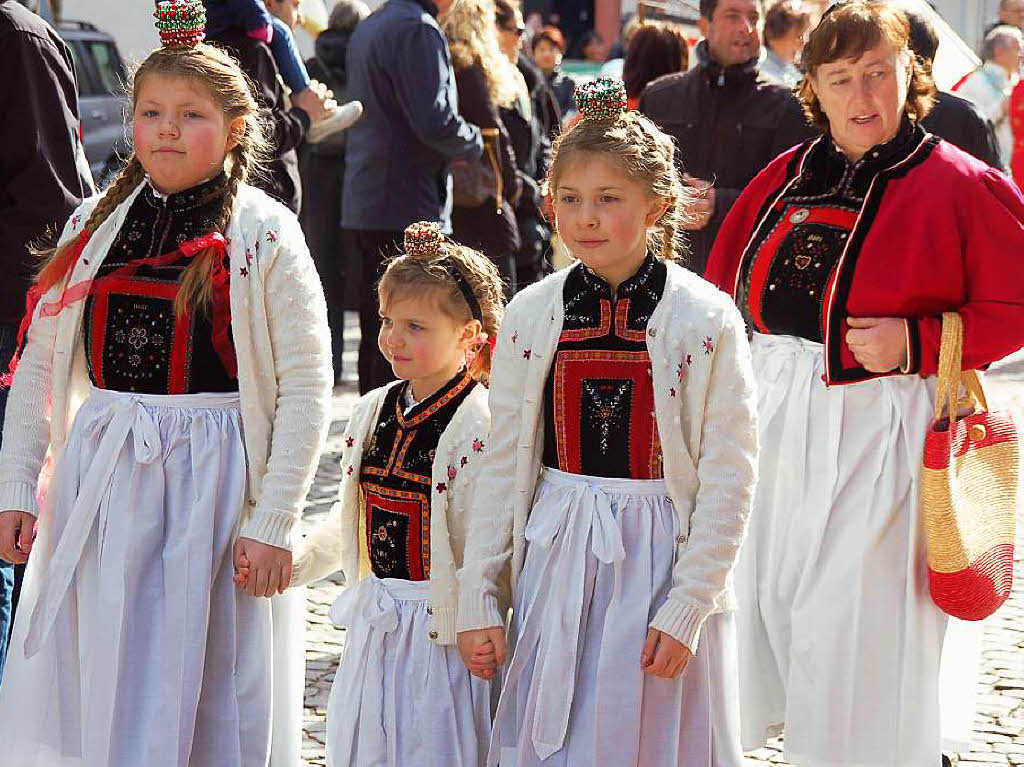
point(1017, 127)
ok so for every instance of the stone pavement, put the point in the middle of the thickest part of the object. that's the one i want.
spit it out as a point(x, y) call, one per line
point(999, 730)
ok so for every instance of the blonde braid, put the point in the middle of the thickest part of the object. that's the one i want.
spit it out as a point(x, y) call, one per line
point(55, 262)
point(196, 280)
point(118, 191)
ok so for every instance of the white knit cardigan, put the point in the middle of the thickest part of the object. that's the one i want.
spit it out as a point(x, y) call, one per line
point(705, 407)
point(282, 342)
point(336, 544)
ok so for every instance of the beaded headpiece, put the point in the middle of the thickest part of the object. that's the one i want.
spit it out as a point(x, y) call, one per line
point(601, 99)
point(425, 239)
point(181, 22)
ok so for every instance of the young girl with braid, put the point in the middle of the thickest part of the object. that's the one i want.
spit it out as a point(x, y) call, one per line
point(619, 476)
point(401, 696)
point(177, 368)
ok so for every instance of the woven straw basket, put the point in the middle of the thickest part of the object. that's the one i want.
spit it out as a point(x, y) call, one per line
point(968, 490)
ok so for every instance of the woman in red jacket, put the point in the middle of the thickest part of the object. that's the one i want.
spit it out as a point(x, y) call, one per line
point(842, 255)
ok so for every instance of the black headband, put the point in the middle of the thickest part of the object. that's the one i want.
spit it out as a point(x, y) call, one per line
point(467, 292)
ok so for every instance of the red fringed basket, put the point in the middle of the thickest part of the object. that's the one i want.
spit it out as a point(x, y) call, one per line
point(968, 490)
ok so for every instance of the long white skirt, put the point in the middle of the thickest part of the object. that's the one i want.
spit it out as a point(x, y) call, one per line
point(598, 566)
point(838, 636)
point(142, 649)
point(398, 699)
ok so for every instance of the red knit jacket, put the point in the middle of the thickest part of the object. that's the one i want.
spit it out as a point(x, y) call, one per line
point(938, 231)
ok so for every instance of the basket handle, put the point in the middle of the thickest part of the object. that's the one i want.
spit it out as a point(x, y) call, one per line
point(951, 375)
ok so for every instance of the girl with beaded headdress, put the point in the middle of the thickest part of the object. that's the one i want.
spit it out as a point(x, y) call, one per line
point(620, 472)
point(176, 368)
point(401, 695)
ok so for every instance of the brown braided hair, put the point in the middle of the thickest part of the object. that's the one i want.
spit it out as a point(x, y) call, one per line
point(416, 273)
point(214, 70)
point(646, 154)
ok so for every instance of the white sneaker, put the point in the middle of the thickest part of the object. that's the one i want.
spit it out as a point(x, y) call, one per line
point(340, 118)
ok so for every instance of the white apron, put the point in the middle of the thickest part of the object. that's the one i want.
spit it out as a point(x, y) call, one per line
point(838, 637)
point(598, 566)
point(398, 699)
point(132, 645)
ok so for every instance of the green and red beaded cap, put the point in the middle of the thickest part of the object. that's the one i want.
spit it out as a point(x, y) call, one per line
point(424, 238)
point(181, 22)
point(601, 99)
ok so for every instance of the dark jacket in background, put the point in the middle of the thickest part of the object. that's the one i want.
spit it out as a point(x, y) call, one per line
point(222, 15)
point(322, 168)
point(43, 172)
point(493, 233)
point(545, 105)
point(528, 133)
point(961, 123)
point(287, 126)
point(729, 123)
point(564, 88)
point(397, 155)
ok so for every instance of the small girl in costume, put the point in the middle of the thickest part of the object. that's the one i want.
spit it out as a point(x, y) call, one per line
point(177, 367)
point(402, 696)
point(619, 475)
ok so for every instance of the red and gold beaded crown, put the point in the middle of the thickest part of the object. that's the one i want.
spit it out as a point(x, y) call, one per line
point(601, 99)
point(424, 238)
point(181, 22)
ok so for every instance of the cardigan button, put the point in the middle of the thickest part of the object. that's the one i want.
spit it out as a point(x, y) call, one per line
point(432, 635)
point(430, 610)
point(680, 539)
point(252, 502)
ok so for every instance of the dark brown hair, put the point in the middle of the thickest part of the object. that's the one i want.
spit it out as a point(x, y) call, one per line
point(847, 31)
point(657, 49)
point(552, 34)
point(784, 16)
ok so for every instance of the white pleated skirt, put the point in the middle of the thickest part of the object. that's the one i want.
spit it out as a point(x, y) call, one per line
point(838, 636)
point(398, 699)
point(598, 566)
point(132, 645)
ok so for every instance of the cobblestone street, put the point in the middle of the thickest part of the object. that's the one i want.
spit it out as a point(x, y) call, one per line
point(999, 728)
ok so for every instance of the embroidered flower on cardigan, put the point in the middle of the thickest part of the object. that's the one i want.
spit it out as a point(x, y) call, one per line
point(672, 392)
point(515, 336)
point(709, 345)
point(452, 471)
point(349, 441)
point(248, 256)
point(244, 271)
point(74, 221)
point(463, 461)
point(441, 487)
point(272, 235)
point(681, 371)
point(689, 359)
point(478, 445)
point(526, 353)
point(349, 471)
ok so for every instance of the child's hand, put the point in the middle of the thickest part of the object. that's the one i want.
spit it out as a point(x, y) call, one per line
point(664, 655)
point(17, 532)
point(483, 650)
point(242, 570)
point(261, 570)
